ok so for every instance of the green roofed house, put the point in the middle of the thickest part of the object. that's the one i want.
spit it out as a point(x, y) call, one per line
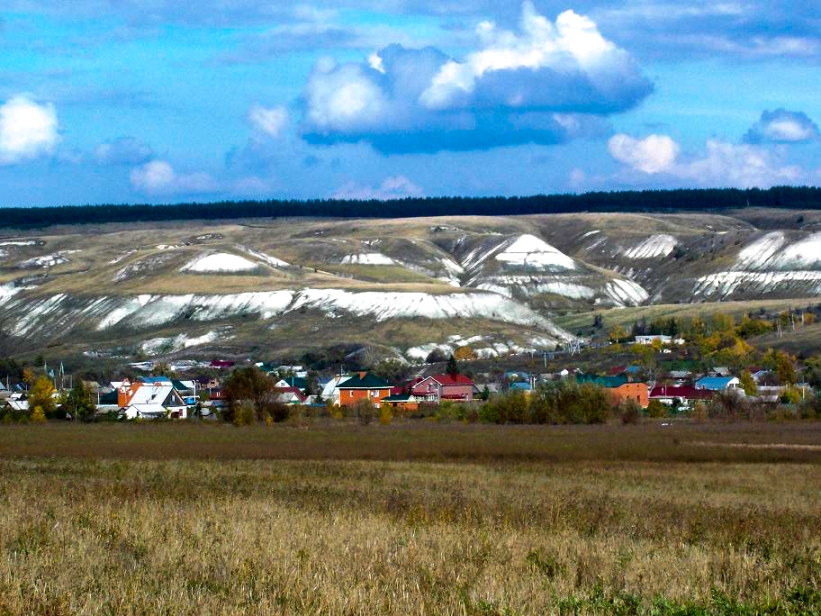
point(363, 386)
point(402, 402)
point(620, 388)
point(603, 381)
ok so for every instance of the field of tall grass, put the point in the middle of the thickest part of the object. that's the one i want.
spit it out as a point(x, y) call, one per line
point(410, 519)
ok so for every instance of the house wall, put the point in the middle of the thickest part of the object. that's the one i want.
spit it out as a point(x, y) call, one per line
point(464, 392)
point(405, 407)
point(349, 397)
point(428, 389)
point(637, 392)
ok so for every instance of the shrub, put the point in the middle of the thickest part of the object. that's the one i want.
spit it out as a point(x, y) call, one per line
point(244, 413)
point(699, 414)
point(656, 409)
point(447, 411)
point(630, 412)
point(488, 413)
point(385, 415)
point(363, 410)
point(790, 395)
point(38, 415)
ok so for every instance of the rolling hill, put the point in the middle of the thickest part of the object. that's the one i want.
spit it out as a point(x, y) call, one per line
point(401, 286)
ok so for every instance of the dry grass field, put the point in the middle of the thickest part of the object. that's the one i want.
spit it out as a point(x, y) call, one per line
point(323, 518)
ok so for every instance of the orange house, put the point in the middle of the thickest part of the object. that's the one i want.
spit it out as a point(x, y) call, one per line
point(619, 388)
point(363, 386)
point(637, 392)
point(407, 403)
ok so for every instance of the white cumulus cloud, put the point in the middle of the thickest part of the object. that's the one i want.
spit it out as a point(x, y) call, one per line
point(549, 82)
point(158, 177)
point(27, 130)
point(653, 154)
point(395, 187)
point(741, 166)
point(721, 164)
point(782, 126)
point(270, 122)
point(571, 50)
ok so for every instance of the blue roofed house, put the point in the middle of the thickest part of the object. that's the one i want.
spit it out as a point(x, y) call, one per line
point(719, 383)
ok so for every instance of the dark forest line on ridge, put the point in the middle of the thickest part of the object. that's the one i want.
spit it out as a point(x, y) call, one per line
point(648, 201)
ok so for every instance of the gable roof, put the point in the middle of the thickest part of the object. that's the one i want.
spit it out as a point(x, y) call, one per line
point(716, 383)
point(520, 387)
point(610, 382)
point(400, 398)
point(287, 393)
point(295, 381)
point(447, 379)
point(688, 392)
point(368, 381)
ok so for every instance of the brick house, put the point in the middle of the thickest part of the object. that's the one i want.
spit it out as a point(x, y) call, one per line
point(363, 386)
point(438, 387)
point(619, 388)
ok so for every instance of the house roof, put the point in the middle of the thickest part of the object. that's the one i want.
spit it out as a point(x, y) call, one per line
point(521, 386)
point(603, 381)
point(400, 398)
point(109, 398)
point(715, 383)
point(368, 381)
point(293, 391)
point(296, 381)
point(456, 379)
point(688, 392)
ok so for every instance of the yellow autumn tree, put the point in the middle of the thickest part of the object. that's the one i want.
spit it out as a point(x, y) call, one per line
point(38, 415)
point(42, 395)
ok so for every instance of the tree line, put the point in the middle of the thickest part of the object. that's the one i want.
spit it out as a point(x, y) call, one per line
point(787, 197)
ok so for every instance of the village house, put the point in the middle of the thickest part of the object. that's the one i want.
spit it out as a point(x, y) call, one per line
point(439, 387)
point(683, 396)
point(289, 395)
point(151, 398)
point(718, 383)
point(363, 386)
point(650, 339)
point(407, 403)
point(619, 388)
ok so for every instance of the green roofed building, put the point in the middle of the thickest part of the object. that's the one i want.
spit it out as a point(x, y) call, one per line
point(363, 386)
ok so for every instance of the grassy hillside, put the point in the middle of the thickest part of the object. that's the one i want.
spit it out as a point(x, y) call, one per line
point(392, 283)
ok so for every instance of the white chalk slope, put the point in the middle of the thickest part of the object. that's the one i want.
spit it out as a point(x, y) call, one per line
point(770, 264)
point(61, 313)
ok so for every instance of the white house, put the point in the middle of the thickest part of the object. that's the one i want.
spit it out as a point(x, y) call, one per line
point(151, 398)
point(330, 393)
point(650, 339)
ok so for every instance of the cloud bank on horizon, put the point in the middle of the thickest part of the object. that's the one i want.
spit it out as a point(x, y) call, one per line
point(156, 100)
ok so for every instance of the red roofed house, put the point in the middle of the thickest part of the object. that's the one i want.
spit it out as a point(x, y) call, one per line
point(683, 395)
point(289, 395)
point(445, 387)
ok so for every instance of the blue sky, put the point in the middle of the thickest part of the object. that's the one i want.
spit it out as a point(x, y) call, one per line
point(153, 101)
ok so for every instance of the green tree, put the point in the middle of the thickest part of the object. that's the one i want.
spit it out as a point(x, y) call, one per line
point(250, 385)
point(453, 367)
point(618, 334)
point(392, 370)
point(748, 383)
point(42, 395)
point(79, 401)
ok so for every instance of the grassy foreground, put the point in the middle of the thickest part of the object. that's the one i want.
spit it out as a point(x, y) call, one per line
point(404, 519)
